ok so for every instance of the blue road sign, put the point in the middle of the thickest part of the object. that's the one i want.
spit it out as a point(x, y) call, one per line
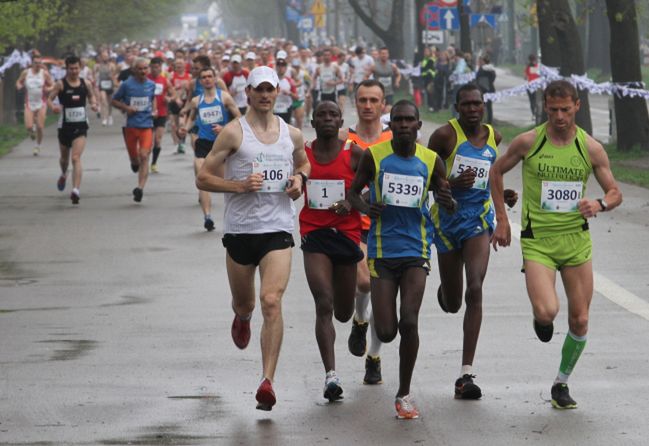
point(487, 19)
point(306, 23)
point(448, 18)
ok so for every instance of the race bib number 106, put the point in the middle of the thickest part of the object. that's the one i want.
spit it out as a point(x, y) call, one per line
point(275, 174)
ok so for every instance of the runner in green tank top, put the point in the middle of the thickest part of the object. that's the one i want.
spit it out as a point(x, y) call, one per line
point(558, 158)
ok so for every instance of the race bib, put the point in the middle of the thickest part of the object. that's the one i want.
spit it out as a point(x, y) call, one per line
point(386, 81)
point(140, 103)
point(275, 174)
point(402, 190)
point(480, 167)
point(159, 89)
point(211, 115)
point(106, 84)
point(324, 193)
point(561, 196)
point(75, 114)
point(283, 104)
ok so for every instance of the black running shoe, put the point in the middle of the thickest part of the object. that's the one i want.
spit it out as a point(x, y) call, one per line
point(137, 194)
point(209, 224)
point(373, 370)
point(357, 341)
point(74, 197)
point(561, 397)
point(466, 389)
point(135, 167)
point(544, 332)
point(441, 300)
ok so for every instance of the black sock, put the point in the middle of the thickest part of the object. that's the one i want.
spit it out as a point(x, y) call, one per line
point(156, 154)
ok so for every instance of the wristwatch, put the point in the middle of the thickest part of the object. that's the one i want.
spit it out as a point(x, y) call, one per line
point(304, 177)
point(603, 204)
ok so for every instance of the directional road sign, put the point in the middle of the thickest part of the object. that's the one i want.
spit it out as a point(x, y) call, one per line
point(449, 18)
point(306, 23)
point(487, 19)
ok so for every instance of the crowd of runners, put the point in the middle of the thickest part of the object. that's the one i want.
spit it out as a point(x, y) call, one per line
point(368, 225)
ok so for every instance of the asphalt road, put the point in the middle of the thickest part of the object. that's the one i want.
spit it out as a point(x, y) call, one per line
point(115, 329)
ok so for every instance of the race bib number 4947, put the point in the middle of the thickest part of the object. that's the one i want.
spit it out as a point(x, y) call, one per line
point(402, 190)
point(561, 196)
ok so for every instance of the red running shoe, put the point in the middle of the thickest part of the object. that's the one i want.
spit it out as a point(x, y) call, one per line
point(265, 395)
point(240, 332)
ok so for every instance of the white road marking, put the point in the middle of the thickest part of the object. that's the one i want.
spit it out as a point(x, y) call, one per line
point(609, 289)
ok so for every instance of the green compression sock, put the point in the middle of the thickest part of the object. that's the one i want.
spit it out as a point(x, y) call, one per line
point(570, 353)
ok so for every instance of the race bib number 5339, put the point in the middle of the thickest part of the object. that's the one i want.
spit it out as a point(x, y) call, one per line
point(402, 190)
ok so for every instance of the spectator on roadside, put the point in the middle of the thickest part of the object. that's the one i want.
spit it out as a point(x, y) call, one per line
point(531, 73)
point(485, 78)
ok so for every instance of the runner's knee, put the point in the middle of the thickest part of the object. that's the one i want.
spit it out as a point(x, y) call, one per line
point(578, 324)
point(271, 305)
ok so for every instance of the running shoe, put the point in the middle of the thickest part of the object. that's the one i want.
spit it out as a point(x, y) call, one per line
point(373, 370)
point(60, 184)
point(357, 341)
point(240, 332)
point(332, 389)
point(74, 196)
point(137, 194)
point(440, 299)
point(209, 224)
point(466, 389)
point(265, 395)
point(110, 120)
point(544, 332)
point(104, 122)
point(36, 151)
point(154, 168)
point(405, 406)
point(135, 167)
point(561, 397)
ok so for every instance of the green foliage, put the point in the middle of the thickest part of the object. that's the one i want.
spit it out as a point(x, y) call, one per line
point(25, 22)
point(631, 166)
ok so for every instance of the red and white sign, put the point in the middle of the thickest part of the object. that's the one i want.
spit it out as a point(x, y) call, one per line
point(447, 3)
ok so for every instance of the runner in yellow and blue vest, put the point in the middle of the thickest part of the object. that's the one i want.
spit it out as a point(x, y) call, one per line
point(469, 148)
point(558, 158)
point(400, 173)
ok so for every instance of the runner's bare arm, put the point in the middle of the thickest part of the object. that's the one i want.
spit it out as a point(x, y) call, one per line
point(300, 164)
point(440, 186)
point(229, 103)
point(364, 175)
point(210, 176)
point(186, 123)
point(94, 106)
point(602, 171)
point(53, 94)
point(517, 150)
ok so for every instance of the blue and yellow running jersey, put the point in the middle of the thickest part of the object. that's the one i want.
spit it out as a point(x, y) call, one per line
point(475, 213)
point(404, 228)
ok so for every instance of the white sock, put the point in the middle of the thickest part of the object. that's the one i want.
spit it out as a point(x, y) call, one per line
point(467, 369)
point(362, 301)
point(75, 191)
point(375, 342)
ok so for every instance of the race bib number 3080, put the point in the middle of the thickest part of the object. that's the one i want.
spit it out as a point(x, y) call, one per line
point(275, 174)
point(402, 190)
point(561, 196)
point(324, 193)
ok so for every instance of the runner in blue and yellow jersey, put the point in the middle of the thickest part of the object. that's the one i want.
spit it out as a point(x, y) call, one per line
point(400, 173)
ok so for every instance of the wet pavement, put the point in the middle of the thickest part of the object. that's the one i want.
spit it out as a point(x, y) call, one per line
point(115, 329)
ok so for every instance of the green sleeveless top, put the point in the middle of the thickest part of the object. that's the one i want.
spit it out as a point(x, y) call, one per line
point(554, 180)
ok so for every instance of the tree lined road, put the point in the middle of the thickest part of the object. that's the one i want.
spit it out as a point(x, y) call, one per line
point(115, 329)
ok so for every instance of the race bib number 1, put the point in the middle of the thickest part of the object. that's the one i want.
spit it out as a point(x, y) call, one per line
point(323, 193)
point(480, 167)
point(402, 190)
point(561, 196)
point(275, 174)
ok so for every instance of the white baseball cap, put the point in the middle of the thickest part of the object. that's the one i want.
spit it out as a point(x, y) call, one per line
point(262, 74)
point(236, 58)
point(281, 55)
point(226, 56)
point(251, 55)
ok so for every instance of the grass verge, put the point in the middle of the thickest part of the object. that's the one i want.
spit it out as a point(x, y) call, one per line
point(629, 167)
point(13, 134)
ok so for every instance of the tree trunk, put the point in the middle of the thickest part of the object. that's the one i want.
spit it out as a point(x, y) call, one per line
point(392, 36)
point(599, 37)
point(561, 47)
point(631, 114)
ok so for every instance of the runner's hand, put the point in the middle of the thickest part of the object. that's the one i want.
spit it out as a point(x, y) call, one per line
point(502, 235)
point(375, 210)
point(342, 207)
point(511, 197)
point(56, 108)
point(294, 186)
point(589, 208)
point(252, 183)
point(217, 129)
point(464, 181)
